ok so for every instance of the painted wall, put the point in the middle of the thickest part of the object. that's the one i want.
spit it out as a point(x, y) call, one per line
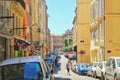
point(83, 32)
point(112, 17)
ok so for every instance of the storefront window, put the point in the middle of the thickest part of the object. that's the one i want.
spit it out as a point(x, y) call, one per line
point(2, 49)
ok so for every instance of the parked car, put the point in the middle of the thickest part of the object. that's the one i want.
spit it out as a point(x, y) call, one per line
point(100, 70)
point(82, 69)
point(48, 71)
point(72, 57)
point(112, 69)
point(75, 67)
point(92, 68)
point(23, 68)
point(49, 61)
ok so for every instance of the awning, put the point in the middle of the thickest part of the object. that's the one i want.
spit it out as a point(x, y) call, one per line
point(21, 42)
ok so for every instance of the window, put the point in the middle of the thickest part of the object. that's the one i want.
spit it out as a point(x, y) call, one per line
point(109, 62)
point(97, 9)
point(21, 71)
point(118, 62)
point(12, 72)
point(103, 7)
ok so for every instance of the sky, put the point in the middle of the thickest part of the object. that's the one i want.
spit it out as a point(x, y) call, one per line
point(61, 14)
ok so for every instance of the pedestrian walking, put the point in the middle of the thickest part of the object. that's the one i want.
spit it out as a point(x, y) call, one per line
point(68, 67)
point(56, 61)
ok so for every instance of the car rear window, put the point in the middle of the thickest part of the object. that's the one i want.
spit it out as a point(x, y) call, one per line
point(118, 62)
point(23, 71)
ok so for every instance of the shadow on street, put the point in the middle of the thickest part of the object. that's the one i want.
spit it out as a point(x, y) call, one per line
point(60, 78)
point(57, 68)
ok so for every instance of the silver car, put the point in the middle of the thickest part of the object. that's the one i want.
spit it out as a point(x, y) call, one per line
point(24, 68)
point(100, 70)
point(92, 68)
point(112, 69)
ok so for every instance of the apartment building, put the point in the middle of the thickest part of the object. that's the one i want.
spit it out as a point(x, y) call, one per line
point(104, 29)
point(81, 40)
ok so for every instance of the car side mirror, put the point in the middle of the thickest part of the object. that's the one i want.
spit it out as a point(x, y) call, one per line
point(40, 74)
point(113, 66)
point(101, 67)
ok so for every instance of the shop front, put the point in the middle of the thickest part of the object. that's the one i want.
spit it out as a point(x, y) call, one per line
point(2, 49)
point(21, 48)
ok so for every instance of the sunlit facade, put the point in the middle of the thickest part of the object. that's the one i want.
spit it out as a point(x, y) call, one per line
point(82, 31)
point(97, 30)
point(112, 28)
point(39, 25)
point(104, 29)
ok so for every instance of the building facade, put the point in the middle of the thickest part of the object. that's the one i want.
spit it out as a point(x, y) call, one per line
point(39, 25)
point(104, 29)
point(56, 43)
point(11, 19)
point(5, 28)
point(82, 31)
point(97, 30)
point(22, 27)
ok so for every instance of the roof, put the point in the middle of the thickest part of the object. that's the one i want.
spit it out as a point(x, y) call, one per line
point(21, 60)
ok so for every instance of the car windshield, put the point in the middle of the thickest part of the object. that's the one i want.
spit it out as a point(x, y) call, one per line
point(118, 62)
point(104, 64)
point(83, 65)
point(23, 71)
point(95, 64)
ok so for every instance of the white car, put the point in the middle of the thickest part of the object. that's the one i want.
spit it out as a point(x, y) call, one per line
point(100, 70)
point(24, 68)
point(92, 68)
point(112, 69)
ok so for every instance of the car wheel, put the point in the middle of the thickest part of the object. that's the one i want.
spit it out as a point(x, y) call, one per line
point(87, 74)
point(79, 73)
point(105, 77)
point(115, 78)
point(102, 77)
point(94, 75)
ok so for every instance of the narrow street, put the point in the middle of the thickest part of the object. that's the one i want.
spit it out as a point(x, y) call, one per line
point(61, 72)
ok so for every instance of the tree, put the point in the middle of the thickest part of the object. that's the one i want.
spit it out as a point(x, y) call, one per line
point(65, 42)
point(70, 41)
point(68, 44)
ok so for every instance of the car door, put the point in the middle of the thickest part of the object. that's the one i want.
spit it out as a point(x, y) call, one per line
point(48, 71)
point(98, 69)
point(32, 70)
point(109, 69)
point(43, 69)
point(112, 69)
